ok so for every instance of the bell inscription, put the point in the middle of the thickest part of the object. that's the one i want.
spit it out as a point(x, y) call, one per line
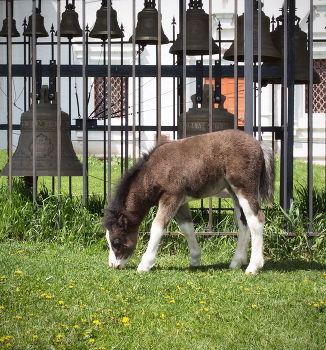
point(197, 119)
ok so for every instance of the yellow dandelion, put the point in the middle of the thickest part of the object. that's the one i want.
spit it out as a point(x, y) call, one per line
point(18, 272)
point(19, 317)
point(71, 287)
point(172, 301)
point(98, 323)
point(254, 306)
point(19, 251)
point(202, 302)
point(162, 316)
point(2, 307)
point(76, 326)
point(61, 302)
point(91, 340)
point(179, 287)
point(125, 319)
point(199, 288)
point(58, 336)
point(35, 336)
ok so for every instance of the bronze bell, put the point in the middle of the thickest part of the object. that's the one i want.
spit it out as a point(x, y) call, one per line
point(268, 50)
point(69, 26)
point(40, 29)
point(46, 143)
point(301, 60)
point(147, 26)
point(197, 121)
point(198, 35)
point(4, 30)
point(100, 28)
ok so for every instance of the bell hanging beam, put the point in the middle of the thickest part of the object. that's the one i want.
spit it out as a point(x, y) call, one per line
point(268, 50)
point(46, 143)
point(147, 26)
point(198, 36)
point(69, 26)
point(100, 28)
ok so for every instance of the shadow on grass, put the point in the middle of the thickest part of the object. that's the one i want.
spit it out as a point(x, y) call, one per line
point(277, 266)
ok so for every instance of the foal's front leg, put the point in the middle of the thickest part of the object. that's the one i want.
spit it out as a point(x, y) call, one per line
point(168, 205)
point(148, 259)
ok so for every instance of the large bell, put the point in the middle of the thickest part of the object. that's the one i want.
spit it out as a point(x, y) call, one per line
point(40, 29)
point(301, 59)
point(69, 26)
point(268, 50)
point(198, 36)
point(4, 30)
point(100, 28)
point(46, 143)
point(147, 26)
point(197, 120)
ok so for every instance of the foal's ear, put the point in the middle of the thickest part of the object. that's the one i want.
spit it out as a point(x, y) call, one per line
point(122, 222)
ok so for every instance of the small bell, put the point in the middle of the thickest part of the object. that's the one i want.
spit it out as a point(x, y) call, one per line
point(46, 143)
point(198, 36)
point(147, 26)
point(268, 50)
point(100, 28)
point(40, 29)
point(301, 59)
point(4, 30)
point(69, 26)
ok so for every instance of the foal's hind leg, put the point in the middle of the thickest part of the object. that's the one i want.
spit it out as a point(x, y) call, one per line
point(184, 219)
point(255, 220)
point(240, 256)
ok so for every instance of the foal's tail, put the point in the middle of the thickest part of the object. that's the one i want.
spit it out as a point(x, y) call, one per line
point(266, 186)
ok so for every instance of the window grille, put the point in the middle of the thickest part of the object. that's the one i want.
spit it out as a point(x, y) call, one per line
point(318, 90)
point(118, 97)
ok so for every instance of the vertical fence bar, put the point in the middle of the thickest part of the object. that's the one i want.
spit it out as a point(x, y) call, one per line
point(184, 68)
point(84, 78)
point(34, 100)
point(109, 139)
point(284, 158)
point(9, 84)
point(159, 75)
point(310, 120)
point(259, 71)
point(133, 81)
point(248, 67)
point(235, 70)
point(58, 100)
point(210, 101)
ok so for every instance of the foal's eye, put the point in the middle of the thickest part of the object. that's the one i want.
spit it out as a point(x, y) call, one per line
point(116, 244)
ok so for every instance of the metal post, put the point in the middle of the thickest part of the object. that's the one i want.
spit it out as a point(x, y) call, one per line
point(248, 66)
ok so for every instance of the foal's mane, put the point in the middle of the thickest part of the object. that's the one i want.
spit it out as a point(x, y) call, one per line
point(117, 204)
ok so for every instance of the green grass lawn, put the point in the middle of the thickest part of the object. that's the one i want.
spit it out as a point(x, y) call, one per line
point(65, 296)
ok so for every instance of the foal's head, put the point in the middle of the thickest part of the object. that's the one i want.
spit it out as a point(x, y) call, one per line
point(122, 239)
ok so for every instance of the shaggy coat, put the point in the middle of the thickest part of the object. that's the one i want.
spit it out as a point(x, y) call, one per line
point(173, 174)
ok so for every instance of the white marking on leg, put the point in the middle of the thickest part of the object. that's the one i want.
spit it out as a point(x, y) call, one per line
point(113, 261)
point(240, 255)
point(187, 228)
point(148, 259)
point(256, 227)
